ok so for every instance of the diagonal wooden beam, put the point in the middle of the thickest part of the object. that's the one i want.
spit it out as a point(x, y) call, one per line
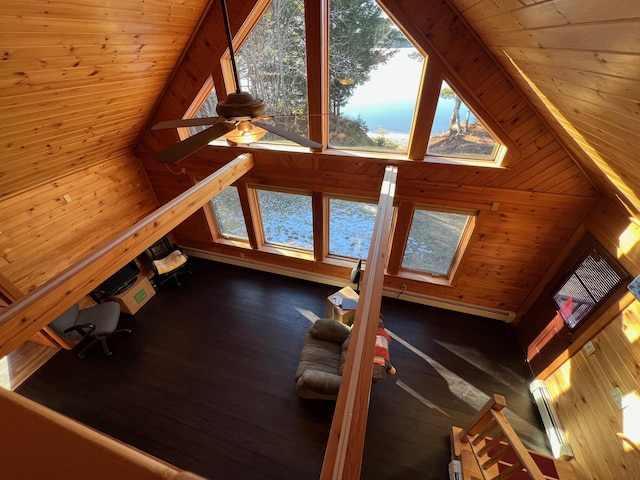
point(343, 455)
point(40, 306)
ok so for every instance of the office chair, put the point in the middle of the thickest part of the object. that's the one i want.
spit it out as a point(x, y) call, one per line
point(167, 261)
point(97, 323)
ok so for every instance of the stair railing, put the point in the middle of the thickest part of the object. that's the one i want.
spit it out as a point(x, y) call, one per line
point(495, 445)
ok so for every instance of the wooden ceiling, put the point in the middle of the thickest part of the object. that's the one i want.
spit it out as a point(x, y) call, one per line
point(81, 78)
point(578, 62)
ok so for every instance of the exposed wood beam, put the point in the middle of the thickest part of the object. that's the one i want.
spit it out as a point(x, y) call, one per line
point(343, 455)
point(39, 307)
point(317, 32)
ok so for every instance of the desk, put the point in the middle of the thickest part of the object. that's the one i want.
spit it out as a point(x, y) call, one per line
point(334, 305)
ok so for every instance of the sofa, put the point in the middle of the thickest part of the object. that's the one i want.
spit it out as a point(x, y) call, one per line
point(322, 360)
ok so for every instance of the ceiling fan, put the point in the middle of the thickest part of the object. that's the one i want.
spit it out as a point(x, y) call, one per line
point(238, 119)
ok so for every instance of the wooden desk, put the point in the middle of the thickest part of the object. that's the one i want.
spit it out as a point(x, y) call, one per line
point(335, 309)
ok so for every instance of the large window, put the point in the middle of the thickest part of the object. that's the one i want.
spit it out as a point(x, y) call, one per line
point(378, 98)
point(228, 214)
point(350, 227)
point(375, 76)
point(272, 67)
point(589, 284)
point(287, 219)
point(435, 241)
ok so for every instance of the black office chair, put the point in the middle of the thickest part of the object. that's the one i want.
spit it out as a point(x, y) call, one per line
point(97, 324)
point(167, 262)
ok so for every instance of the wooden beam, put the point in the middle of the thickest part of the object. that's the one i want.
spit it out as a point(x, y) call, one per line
point(40, 306)
point(343, 455)
point(317, 32)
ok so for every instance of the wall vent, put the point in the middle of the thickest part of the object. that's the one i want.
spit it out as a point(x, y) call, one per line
point(555, 433)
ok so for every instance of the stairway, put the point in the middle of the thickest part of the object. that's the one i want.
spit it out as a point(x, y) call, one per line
point(489, 449)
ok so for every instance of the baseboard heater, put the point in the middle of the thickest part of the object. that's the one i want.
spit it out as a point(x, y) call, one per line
point(503, 315)
point(555, 433)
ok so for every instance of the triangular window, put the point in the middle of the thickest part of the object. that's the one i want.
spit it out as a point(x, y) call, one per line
point(457, 131)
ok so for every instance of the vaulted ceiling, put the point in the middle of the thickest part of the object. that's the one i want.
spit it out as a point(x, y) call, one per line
point(80, 79)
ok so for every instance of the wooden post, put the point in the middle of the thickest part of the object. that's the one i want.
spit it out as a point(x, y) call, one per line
point(343, 455)
point(40, 306)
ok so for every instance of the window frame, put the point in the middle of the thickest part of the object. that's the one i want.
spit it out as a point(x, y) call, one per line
point(327, 233)
point(259, 222)
point(463, 244)
point(432, 77)
point(215, 228)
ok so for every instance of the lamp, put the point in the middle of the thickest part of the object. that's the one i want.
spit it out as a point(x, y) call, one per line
point(245, 132)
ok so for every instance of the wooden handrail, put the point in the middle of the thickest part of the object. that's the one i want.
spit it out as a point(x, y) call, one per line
point(343, 454)
point(480, 419)
point(491, 439)
point(33, 311)
point(518, 447)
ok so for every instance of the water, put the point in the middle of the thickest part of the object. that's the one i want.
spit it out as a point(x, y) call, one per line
point(388, 99)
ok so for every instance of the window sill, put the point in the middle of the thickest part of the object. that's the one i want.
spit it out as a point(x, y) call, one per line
point(424, 278)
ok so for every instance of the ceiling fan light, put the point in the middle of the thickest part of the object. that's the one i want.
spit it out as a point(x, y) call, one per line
point(347, 80)
point(245, 133)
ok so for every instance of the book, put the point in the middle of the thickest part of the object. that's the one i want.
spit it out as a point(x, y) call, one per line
point(349, 304)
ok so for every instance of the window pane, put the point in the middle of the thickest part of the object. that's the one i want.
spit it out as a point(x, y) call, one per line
point(374, 79)
point(271, 65)
point(207, 109)
point(433, 241)
point(589, 284)
point(228, 212)
point(351, 227)
point(456, 131)
point(287, 219)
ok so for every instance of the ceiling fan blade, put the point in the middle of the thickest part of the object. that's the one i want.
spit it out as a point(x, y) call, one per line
point(186, 122)
point(190, 145)
point(294, 137)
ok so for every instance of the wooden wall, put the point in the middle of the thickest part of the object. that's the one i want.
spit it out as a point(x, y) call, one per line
point(581, 384)
point(42, 233)
point(539, 196)
point(581, 389)
point(577, 62)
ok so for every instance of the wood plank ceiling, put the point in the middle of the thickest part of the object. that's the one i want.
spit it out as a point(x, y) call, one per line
point(579, 63)
point(79, 79)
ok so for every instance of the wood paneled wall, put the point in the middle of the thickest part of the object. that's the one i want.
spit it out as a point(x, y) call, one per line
point(582, 392)
point(527, 210)
point(577, 62)
point(43, 233)
point(582, 386)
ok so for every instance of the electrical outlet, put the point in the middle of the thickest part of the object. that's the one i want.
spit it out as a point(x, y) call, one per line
point(616, 396)
point(589, 348)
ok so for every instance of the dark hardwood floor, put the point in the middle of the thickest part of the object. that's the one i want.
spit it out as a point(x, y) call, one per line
point(205, 381)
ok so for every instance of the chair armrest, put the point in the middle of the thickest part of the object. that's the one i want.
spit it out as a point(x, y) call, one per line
point(320, 382)
point(330, 330)
point(83, 329)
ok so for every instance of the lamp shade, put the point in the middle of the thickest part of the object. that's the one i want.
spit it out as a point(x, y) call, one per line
point(245, 132)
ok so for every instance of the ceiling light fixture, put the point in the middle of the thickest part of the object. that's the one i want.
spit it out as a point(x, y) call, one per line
point(245, 133)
